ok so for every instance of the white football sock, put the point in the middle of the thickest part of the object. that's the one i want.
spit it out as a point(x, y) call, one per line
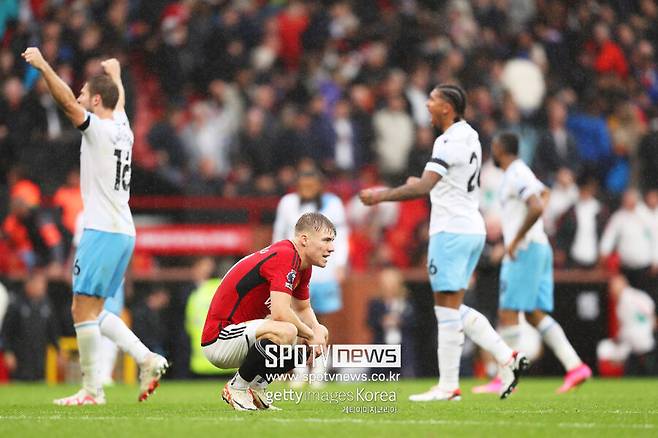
point(450, 344)
point(511, 334)
point(553, 335)
point(89, 340)
point(479, 329)
point(114, 328)
point(108, 358)
point(237, 382)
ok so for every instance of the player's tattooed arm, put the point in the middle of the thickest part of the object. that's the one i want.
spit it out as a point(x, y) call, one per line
point(113, 69)
point(414, 188)
point(60, 90)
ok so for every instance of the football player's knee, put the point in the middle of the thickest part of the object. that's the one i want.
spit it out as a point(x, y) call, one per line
point(288, 333)
point(535, 317)
point(76, 312)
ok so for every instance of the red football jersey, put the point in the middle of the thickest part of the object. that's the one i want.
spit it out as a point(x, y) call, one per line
point(244, 293)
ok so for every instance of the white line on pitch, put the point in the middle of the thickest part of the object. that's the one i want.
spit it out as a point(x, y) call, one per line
point(429, 422)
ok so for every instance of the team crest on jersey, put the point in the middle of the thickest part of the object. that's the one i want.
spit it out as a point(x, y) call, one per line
point(290, 279)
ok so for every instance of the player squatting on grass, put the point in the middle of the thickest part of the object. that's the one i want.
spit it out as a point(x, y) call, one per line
point(262, 308)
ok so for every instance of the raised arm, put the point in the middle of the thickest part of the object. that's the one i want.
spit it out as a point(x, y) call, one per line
point(113, 69)
point(60, 91)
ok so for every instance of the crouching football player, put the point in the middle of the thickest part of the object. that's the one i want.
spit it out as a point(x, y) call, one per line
point(262, 306)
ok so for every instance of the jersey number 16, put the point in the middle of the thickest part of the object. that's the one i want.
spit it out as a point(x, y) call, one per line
point(122, 178)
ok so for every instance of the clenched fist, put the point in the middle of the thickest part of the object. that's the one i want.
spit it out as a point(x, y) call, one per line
point(33, 56)
point(112, 67)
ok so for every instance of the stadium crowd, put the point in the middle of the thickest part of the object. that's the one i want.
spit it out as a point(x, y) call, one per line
point(227, 98)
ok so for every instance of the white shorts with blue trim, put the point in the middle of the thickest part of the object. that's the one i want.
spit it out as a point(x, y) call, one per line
point(452, 258)
point(526, 284)
point(100, 263)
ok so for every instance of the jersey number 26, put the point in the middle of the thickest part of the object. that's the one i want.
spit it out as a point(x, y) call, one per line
point(476, 173)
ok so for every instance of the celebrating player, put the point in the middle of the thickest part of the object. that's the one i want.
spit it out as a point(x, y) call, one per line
point(457, 235)
point(526, 277)
point(109, 233)
point(262, 306)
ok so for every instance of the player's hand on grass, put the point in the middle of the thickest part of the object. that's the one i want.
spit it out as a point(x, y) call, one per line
point(33, 56)
point(112, 67)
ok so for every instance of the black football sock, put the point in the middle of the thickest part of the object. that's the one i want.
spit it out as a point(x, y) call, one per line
point(263, 360)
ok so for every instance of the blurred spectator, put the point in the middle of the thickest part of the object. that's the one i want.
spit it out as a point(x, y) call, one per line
point(30, 230)
point(416, 93)
point(630, 232)
point(646, 70)
point(627, 127)
point(256, 142)
point(17, 124)
point(580, 227)
point(592, 136)
point(292, 21)
point(564, 194)
point(148, 322)
point(556, 148)
point(634, 343)
point(322, 146)
point(513, 121)
point(69, 200)
point(211, 132)
point(164, 138)
point(350, 152)
point(648, 156)
point(29, 326)
point(4, 303)
point(421, 152)
point(608, 56)
point(196, 301)
point(195, 316)
point(650, 208)
point(394, 132)
point(390, 318)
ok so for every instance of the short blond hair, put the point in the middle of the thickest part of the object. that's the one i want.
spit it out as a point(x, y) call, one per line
point(314, 221)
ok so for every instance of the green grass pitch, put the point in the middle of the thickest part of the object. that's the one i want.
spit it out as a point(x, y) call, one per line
point(615, 408)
